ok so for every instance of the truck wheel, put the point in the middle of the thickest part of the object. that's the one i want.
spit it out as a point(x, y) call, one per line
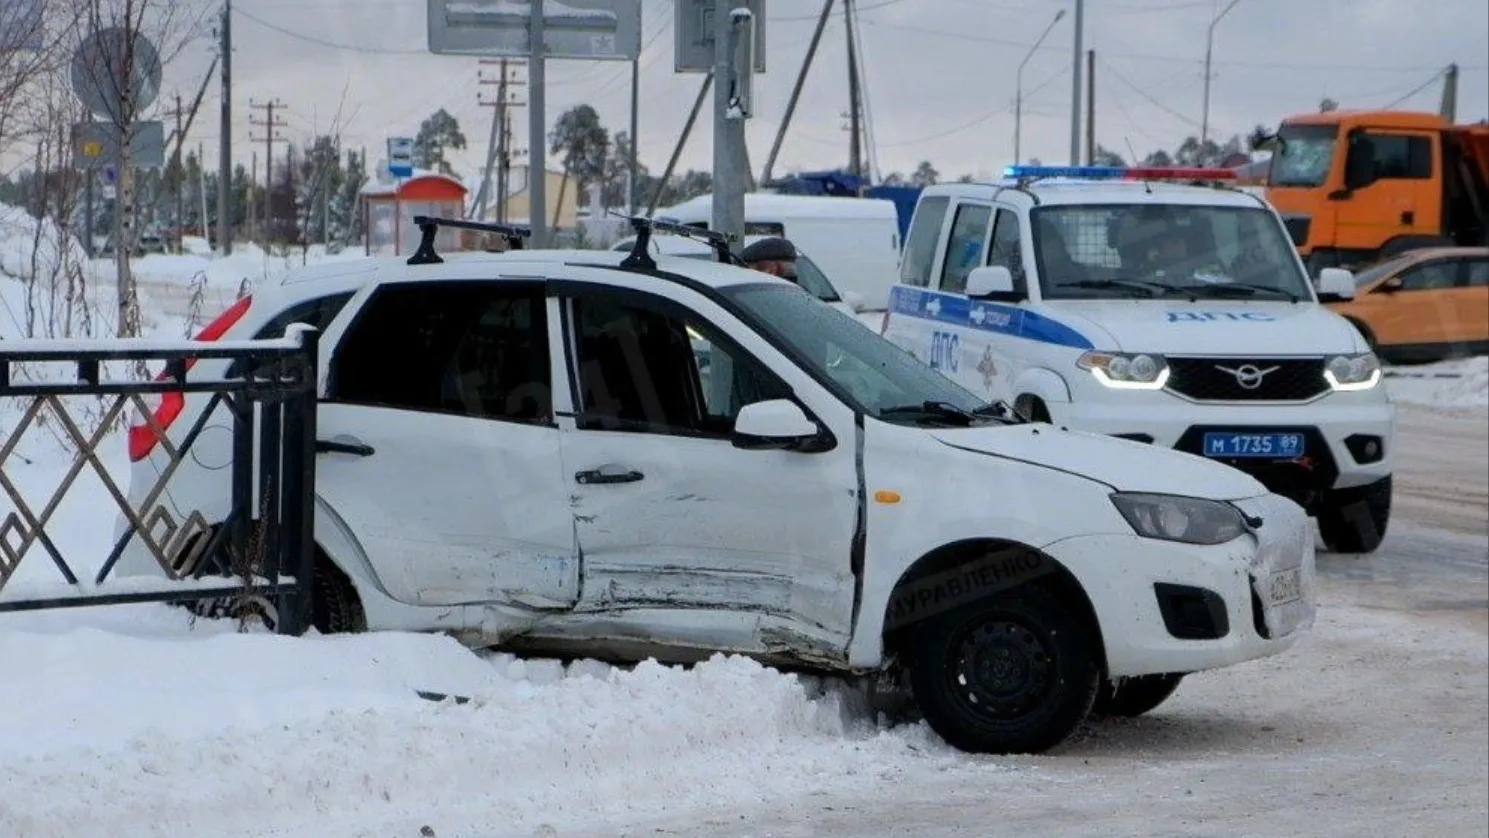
point(1134, 696)
point(1354, 520)
point(1014, 673)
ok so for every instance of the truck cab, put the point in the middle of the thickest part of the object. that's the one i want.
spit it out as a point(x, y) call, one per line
point(1356, 187)
point(1116, 301)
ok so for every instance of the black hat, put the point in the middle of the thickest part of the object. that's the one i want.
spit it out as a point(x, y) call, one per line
point(773, 249)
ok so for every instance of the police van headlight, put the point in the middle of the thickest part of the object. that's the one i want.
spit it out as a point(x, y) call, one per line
point(1183, 519)
point(1125, 371)
point(1352, 372)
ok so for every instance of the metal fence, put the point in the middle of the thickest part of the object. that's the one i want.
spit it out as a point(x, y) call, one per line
point(261, 551)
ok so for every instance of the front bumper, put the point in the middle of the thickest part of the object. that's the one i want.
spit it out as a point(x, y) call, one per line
point(1335, 423)
point(1145, 593)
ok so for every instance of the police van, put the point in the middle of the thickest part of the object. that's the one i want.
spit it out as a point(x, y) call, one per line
point(1158, 305)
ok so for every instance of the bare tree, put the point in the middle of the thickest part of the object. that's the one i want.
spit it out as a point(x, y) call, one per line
point(120, 40)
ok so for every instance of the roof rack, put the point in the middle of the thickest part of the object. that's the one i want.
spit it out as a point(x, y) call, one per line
point(429, 226)
point(640, 256)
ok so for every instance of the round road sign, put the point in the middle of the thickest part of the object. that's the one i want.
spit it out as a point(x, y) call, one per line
point(111, 62)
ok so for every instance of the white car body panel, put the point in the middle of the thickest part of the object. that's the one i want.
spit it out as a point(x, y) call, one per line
point(480, 528)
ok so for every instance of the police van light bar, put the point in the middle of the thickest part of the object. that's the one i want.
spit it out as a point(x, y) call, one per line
point(1121, 172)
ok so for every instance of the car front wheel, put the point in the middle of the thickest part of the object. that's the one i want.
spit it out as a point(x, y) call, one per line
point(1014, 673)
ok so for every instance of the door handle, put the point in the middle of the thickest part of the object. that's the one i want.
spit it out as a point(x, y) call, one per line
point(344, 444)
point(596, 476)
point(1408, 217)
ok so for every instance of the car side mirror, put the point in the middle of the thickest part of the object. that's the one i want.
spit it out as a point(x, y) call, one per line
point(1336, 284)
point(777, 424)
point(990, 282)
point(854, 300)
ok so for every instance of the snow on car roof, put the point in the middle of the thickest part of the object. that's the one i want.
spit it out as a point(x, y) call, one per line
point(1075, 191)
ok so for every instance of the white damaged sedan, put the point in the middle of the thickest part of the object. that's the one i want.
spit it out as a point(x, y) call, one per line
point(522, 449)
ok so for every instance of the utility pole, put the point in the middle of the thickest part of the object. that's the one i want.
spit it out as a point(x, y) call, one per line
point(633, 164)
point(855, 124)
point(1448, 107)
point(537, 141)
point(177, 178)
point(687, 130)
point(728, 130)
point(1091, 107)
point(1075, 84)
point(498, 141)
point(253, 188)
point(801, 79)
point(225, 136)
point(1204, 126)
point(270, 127)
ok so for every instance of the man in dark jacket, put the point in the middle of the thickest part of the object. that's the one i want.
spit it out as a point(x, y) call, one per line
point(774, 255)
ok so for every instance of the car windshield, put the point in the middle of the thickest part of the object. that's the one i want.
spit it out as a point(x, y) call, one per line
point(1303, 156)
point(868, 372)
point(1104, 251)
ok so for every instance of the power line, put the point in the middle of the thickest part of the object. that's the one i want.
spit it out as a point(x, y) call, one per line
point(983, 39)
point(1437, 76)
point(978, 121)
point(310, 39)
point(1144, 94)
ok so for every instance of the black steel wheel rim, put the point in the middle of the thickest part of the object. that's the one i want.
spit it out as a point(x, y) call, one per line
point(1002, 669)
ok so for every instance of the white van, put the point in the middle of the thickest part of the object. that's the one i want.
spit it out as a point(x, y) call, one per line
point(1177, 315)
point(856, 241)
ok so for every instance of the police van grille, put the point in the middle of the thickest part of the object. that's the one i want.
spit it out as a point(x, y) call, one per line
point(1286, 380)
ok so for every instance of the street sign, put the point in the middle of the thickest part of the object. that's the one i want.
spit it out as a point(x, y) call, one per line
point(400, 156)
point(100, 78)
point(97, 144)
point(20, 26)
point(693, 44)
point(594, 30)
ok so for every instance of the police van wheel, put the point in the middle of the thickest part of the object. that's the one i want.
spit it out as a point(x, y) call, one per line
point(1134, 696)
point(1033, 407)
point(1354, 520)
point(1013, 673)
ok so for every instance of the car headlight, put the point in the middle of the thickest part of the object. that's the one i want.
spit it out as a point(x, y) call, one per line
point(1179, 518)
point(1352, 372)
point(1124, 371)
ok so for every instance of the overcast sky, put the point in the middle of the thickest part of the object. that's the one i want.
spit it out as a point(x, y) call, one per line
point(940, 74)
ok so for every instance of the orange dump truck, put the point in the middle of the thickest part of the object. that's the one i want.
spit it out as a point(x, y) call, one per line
point(1355, 187)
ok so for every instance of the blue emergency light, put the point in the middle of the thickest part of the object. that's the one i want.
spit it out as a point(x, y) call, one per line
point(1121, 172)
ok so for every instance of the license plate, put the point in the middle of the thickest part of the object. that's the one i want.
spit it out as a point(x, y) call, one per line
point(1275, 446)
point(1285, 586)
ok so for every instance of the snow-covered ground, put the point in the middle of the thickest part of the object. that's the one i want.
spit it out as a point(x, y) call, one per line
point(137, 721)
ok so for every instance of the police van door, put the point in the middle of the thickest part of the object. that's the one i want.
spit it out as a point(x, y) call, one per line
point(957, 347)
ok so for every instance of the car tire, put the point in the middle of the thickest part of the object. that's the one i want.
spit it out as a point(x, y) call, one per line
point(1354, 520)
point(336, 608)
point(1036, 662)
point(1134, 696)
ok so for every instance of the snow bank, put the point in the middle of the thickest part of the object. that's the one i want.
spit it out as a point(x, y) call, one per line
point(1450, 384)
point(227, 734)
point(248, 263)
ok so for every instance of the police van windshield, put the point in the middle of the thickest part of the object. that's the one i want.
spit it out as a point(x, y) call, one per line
point(1136, 251)
point(870, 373)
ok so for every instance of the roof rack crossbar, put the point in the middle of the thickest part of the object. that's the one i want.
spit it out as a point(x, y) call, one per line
point(429, 226)
point(640, 255)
